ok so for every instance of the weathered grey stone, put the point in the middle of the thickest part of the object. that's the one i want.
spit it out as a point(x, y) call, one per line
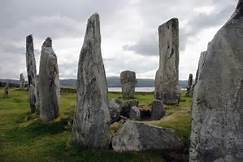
point(37, 90)
point(48, 83)
point(166, 80)
point(31, 72)
point(126, 105)
point(199, 68)
point(189, 85)
point(134, 113)
point(21, 81)
point(138, 136)
point(217, 125)
point(128, 82)
point(158, 110)
point(92, 118)
point(115, 110)
point(6, 89)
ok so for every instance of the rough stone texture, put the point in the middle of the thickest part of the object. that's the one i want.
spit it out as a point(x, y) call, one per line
point(134, 113)
point(21, 81)
point(92, 118)
point(37, 90)
point(6, 89)
point(166, 80)
point(126, 105)
point(137, 136)
point(158, 110)
point(31, 72)
point(199, 68)
point(217, 125)
point(189, 85)
point(48, 83)
point(128, 82)
point(114, 111)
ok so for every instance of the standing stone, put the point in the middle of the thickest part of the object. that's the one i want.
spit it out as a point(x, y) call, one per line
point(199, 68)
point(217, 125)
point(48, 82)
point(31, 72)
point(128, 82)
point(92, 118)
point(158, 110)
point(189, 85)
point(37, 104)
point(166, 80)
point(6, 89)
point(21, 81)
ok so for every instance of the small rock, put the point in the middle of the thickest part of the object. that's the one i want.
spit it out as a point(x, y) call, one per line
point(126, 105)
point(137, 136)
point(114, 111)
point(158, 110)
point(134, 113)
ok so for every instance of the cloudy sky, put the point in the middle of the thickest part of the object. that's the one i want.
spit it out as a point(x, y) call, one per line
point(128, 29)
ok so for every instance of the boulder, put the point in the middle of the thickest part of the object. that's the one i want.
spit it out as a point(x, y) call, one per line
point(138, 136)
point(158, 110)
point(217, 111)
point(49, 89)
point(31, 72)
point(134, 113)
point(126, 105)
point(128, 82)
point(115, 110)
point(91, 125)
point(166, 80)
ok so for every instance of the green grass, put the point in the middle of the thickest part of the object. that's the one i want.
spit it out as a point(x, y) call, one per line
point(23, 137)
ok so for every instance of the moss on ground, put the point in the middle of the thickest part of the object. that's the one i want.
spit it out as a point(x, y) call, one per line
point(23, 137)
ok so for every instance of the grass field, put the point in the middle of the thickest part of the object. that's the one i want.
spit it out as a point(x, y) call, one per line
point(24, 138)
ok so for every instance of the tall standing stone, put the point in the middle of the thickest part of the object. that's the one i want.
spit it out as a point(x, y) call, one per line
point(128, 82)
point(31, 72)
point(189, 85)
point(166, 80)
point(48, 82)
point(92, 117)
point(37, 104)
point(21, 81)
point(6, 89)
point(217, 125)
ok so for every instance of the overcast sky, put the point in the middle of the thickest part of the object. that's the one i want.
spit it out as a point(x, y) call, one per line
point(129, 30)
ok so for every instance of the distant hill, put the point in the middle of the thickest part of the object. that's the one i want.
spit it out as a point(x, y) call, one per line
point(112, 82)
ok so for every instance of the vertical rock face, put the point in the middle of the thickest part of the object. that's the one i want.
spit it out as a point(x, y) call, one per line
point(31, 72)
point(21, 81)
point(217, 125)
point(37, 90)
point(48, 82)
point(92, 117)
point(128, 82)
point(166, 80)
point(189, 85)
